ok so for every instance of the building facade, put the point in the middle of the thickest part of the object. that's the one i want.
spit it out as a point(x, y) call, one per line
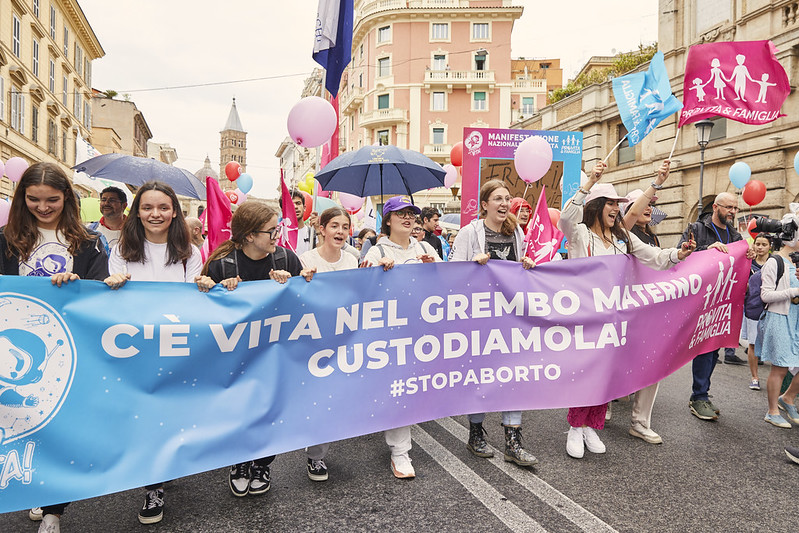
point(118, 126)
point(232, 147)
point(46, 54)
point(532, 80)
point(769, 149)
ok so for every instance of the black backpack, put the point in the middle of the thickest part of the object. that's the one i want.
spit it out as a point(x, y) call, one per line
point(753, 304)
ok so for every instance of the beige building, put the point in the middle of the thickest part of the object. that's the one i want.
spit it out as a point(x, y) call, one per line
point(532, 81)
point(769, 150)
point(119, 127)
point(46, 54)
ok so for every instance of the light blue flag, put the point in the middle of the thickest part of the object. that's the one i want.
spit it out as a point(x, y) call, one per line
point(645, 99)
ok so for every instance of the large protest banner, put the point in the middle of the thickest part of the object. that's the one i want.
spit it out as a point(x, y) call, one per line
point(102, 391)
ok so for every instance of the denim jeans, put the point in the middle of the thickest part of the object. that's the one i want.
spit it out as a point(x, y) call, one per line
point(702, 368)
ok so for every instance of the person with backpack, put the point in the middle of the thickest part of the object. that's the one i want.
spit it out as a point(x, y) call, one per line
point(251, 254)
point(398, 248)
point(778, 331)
point(753, 305)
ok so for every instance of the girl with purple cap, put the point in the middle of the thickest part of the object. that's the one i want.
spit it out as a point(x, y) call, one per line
point(592, 223)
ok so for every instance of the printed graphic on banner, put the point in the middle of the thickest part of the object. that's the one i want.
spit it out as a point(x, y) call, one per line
point(203, 381)
point(740, 80)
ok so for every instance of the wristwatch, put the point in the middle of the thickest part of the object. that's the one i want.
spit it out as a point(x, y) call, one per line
point(655, 186)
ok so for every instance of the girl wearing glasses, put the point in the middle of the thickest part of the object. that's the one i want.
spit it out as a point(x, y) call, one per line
point(495, 235)
point(155, 245)
point(251, 254)
point(399, 215)
point(592, 223)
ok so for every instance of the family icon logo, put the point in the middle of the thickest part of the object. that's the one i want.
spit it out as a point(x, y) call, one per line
point(37, 364)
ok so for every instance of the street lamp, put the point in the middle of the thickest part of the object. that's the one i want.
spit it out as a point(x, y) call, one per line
point(703, 128)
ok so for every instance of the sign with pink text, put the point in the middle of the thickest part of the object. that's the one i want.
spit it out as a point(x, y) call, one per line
point(488, 154)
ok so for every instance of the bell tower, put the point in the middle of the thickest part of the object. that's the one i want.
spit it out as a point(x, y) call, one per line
point(232, 147)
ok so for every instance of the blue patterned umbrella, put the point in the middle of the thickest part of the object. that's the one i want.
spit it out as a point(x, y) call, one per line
point(137, 171)
point(379, 170)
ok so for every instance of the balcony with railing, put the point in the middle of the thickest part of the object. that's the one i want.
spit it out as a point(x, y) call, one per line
point(540, 85)
point(351, 100)
point(437, 151)
point(382, 117)
point(452, 78)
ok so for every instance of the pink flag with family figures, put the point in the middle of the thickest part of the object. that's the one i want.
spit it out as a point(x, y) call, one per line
point(543, 238)
point(742, 81)
point(288, 223)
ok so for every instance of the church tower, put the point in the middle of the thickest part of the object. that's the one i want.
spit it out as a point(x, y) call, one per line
point(232, 147)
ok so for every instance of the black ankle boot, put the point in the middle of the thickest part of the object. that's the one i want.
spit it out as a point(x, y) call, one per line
point(477, 442)
point(514, 452)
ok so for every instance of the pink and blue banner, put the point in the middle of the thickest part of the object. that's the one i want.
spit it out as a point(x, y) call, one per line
point(102, 391)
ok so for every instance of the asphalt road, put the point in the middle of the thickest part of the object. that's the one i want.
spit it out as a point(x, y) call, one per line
point(730, 475)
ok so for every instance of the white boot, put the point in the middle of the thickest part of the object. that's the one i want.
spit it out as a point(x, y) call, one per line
point(50, 524)
point(575, 446)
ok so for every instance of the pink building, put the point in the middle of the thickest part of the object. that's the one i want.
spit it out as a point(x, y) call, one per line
point(422, 70)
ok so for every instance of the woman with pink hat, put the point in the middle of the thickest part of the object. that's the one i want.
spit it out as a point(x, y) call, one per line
point(592, 223)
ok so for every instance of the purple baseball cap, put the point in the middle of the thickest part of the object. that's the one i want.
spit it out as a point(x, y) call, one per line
point(397, 203)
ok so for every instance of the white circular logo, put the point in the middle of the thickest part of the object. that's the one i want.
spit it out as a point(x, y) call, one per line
point(37, 364)
point(473, 142)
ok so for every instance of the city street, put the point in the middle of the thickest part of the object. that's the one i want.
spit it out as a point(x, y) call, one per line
point(731, 475)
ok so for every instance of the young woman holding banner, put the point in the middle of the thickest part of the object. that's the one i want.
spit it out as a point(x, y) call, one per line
point(252, 254)
point(44, 237)
point(155, 245)
point(495, 235)
point(399, 215)
point(592, 223)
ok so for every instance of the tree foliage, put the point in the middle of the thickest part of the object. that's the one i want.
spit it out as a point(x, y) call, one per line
point(623, 64)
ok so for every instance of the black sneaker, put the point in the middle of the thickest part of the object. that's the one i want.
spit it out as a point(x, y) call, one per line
point(317, 470)
point(239, 479)
point(734, 360)
point(153, 509)
point(259, 478)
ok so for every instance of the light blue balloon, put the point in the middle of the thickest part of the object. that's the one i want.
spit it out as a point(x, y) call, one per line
point(244, 183)
point(323, 203)
point(796, 162)
point(739, 174)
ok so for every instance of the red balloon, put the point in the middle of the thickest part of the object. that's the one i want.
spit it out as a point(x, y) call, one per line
point(754, 192)
point(751, 228)
point(232, 170)
point(308, 205)
point(232, 196)
point(456, 154)
point(554, 216)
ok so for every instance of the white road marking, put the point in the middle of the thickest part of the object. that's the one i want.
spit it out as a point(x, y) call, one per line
point(513, 517)
point(542, 490)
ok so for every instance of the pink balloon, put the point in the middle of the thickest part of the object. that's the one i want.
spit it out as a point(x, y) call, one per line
point(452, 175)
point(312, 121)
point(350, 202)
point(5, 207)
point(320, 192)
point(15, 168)
point(242, 197)
point(533, 158)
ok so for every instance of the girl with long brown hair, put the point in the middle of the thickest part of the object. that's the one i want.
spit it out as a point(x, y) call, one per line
point(495, 235)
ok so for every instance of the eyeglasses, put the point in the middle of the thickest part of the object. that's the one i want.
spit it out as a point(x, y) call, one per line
point(405, 214)
point(501, 199)
point(109, 201)
point(730, 207)
point(271, 232)
point(416, 230)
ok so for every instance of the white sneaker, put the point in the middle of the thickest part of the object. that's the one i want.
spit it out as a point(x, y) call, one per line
point(35, 514)
point(575, 446)
point(50, 524)
point(645, 433)
point(401, 466)
point(609, 411)
point(592, 441)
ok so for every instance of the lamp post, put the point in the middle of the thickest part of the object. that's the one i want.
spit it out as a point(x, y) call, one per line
point(703, 128)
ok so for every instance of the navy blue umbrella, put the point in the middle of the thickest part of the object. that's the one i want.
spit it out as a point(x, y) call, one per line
point(137, 171)
point(379, 170)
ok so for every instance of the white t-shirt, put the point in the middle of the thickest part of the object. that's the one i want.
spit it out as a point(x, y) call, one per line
point(154, 267)
point(311, 259)
point(304, 235)
point(50, 256)
point(111, 235)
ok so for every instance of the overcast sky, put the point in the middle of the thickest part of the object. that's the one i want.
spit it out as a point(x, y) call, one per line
point(153, 44)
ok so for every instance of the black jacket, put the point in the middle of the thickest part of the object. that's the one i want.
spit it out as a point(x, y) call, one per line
point(706, 233)
point(431, 239)
point(90, 261)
